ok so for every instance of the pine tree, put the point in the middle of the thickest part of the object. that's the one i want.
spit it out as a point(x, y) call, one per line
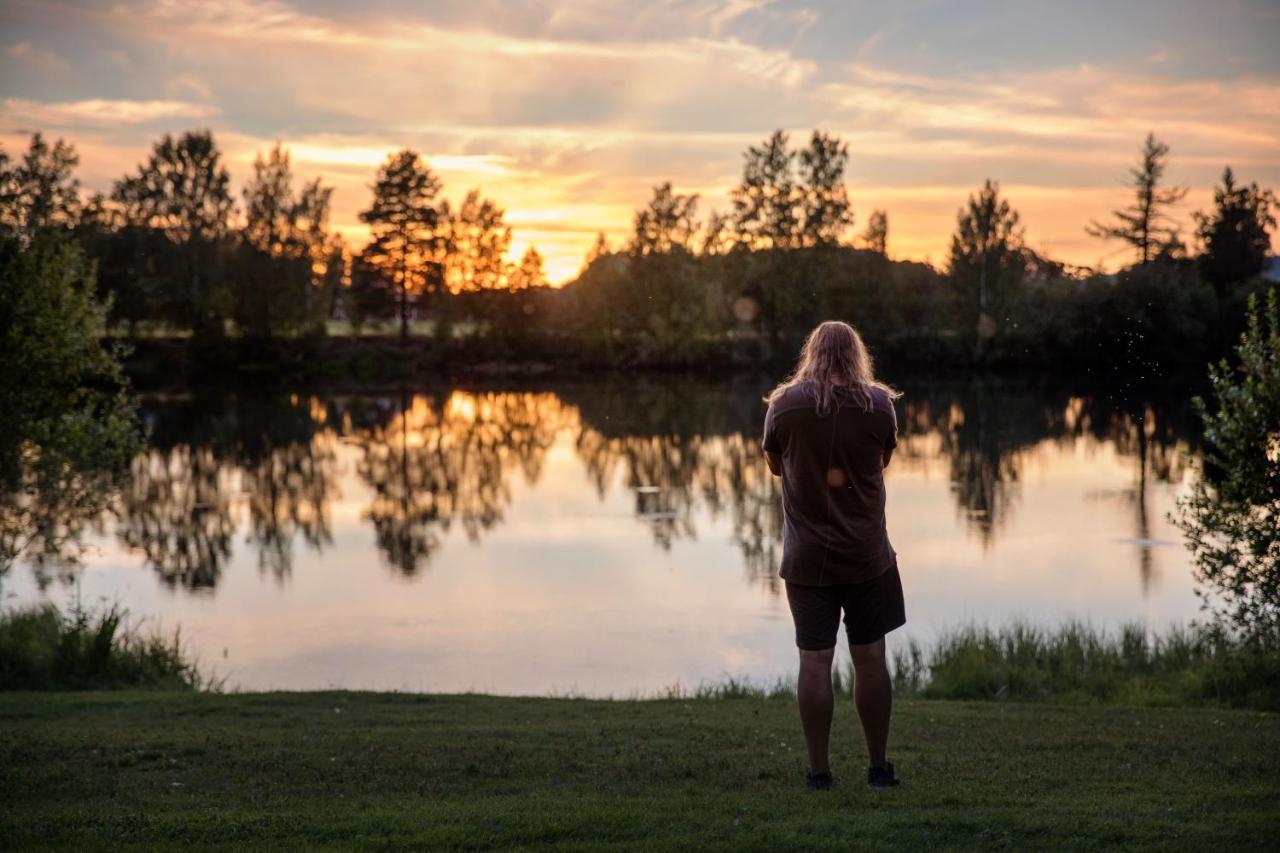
point(599, 249)
point(41, 191)
point(876, 237)
point(717, 235)
point(1236, 236)
point(767, 204)
point(987, 257)
point(1144, 224)
point(824, 201)
point(289, 249)
point(528, 273)
point(477, 244)
point(666, 225)
point(404, 221)
point(183, 193)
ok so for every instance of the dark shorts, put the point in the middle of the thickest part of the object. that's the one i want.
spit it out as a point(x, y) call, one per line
point(871, 609)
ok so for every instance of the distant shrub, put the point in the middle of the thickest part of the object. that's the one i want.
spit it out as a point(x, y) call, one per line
point(43, 649)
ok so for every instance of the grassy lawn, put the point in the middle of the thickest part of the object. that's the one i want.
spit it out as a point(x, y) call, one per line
point(369, 770)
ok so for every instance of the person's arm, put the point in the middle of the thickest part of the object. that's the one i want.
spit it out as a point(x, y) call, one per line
point(770, 444)
point(892, 441)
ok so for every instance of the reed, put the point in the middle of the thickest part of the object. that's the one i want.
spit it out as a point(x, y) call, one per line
point(1076, 662)
point(42, 648)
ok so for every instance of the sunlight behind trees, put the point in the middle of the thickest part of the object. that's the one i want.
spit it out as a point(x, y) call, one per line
point(177, 257)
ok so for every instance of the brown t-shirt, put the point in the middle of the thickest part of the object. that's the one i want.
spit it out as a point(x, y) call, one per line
point(832, 485)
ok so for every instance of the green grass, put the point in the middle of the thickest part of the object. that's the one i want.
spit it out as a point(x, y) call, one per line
point(155, 770)
point(1075, 662)
point(43, 649)
point(716, 767)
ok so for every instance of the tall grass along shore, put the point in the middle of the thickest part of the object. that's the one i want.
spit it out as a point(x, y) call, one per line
point(42, 648)
point(1075, 662)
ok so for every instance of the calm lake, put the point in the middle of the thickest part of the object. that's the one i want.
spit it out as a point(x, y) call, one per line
point(609, 536)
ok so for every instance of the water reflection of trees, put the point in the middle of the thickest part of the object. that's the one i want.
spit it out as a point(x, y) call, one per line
point(176, 510)
point(1157, 438)
point(979, 434)
point(738, 480)
point(980, 448)
point(681, 445)
point(987, 430)
point(659, 469)
point(212, 459)
point(440, 459)
point(46, 509)
point(673, 476)
point(270, 466)
point(289, 492)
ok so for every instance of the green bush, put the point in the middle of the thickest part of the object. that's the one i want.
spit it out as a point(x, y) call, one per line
point(1230, 516)
point(43, 649)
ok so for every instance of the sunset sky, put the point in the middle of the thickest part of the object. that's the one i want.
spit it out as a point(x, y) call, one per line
point(567, 113)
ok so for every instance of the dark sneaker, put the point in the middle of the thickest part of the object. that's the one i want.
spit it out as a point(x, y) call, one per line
point(818, 781)
point(882, 777)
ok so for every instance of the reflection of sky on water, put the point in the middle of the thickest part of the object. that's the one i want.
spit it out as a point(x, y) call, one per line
point(570, 552)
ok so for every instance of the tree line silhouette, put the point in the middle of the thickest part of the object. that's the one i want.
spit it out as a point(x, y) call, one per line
point(270, 468)
point(173, 248)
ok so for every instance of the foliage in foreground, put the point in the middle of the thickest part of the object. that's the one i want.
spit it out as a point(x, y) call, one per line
point(43, 649)
point(1232, 517)
point(67, 422)
point(1078, 663)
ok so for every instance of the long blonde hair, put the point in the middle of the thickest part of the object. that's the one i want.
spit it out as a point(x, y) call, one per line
point(834, 356)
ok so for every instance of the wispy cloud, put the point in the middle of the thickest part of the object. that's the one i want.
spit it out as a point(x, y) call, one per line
point(190, 84)
point(1060, 109)
point(45, 61)
point(331, 152)
point(277, 22)
point(97, 112)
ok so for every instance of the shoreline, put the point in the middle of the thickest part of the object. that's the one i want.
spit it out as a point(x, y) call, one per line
point(373, 362)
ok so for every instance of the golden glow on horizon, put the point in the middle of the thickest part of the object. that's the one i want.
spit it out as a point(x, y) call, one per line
point(461, 405)
point(921, 217)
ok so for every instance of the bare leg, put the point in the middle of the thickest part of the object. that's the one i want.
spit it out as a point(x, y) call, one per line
point(873, 696)
point(813, 690)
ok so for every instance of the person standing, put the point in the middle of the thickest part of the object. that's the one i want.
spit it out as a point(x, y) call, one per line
point(829, 433)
